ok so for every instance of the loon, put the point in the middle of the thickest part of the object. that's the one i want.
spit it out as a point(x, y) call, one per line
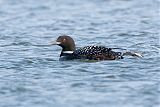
point(69, 51)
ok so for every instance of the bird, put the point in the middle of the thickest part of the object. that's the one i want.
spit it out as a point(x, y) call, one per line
point(91, 52)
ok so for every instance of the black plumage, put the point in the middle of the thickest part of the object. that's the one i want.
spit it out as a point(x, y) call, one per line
point(96, 53)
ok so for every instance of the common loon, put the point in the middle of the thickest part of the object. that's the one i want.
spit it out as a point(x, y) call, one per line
point(69, 51)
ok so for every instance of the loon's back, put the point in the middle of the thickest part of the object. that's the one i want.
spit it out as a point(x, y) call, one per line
point(96, 53)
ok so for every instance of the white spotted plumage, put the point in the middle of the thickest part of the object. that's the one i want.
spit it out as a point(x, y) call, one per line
point(91, 50)
point(94, 52)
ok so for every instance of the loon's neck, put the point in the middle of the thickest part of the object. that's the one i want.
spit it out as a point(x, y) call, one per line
point(66, 53)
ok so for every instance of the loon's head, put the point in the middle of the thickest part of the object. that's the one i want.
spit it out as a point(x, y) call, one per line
point(66, 42)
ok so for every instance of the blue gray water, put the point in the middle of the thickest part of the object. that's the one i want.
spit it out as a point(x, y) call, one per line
point(31, 74)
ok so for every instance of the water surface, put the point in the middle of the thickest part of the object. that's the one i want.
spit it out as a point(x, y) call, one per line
point(31, 74)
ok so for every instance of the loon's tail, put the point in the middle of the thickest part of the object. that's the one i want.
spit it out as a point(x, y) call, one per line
point(135, 54)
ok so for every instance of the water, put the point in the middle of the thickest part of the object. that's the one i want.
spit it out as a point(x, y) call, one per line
point(32, 76)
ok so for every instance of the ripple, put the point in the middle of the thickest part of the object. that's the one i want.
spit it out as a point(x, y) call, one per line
point(32, 75)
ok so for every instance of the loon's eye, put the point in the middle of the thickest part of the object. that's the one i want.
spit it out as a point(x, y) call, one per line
point(64, 40)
